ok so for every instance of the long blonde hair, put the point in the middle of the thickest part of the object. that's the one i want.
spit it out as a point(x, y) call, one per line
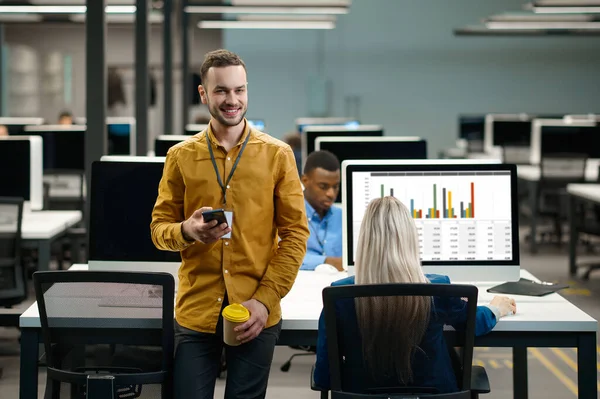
point(391, 327)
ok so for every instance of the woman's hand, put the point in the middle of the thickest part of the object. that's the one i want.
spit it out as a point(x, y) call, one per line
point(505, 304)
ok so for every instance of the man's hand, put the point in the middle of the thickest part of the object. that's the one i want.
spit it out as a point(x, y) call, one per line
point(206, 232)
point(258, 319)
point(335, 262)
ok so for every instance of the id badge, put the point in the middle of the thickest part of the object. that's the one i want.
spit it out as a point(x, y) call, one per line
point(229, 217)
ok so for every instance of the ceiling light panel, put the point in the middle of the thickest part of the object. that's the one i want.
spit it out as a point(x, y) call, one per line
point(266, 25)
point(264, 10)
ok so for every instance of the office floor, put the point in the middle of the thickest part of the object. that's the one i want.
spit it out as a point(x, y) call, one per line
point(552, 372)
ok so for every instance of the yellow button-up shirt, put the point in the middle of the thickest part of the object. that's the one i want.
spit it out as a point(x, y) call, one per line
point(269, 228)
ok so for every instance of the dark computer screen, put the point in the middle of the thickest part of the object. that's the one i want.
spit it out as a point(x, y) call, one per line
point(15, 164)
point(471, 128)
point(64, 150)
point(122, 198)
point(346, 150)
point(15, 130)
point(311, 135)
point(162, 146)
point(571, 139)
point(512, 133)
point(118, 138)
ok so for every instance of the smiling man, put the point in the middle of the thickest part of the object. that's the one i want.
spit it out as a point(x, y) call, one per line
point(253, 259)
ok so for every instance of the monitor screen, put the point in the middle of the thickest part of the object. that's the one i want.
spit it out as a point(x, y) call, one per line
point(258, 124)
point(347, 148)
point(15, 164)
point(571, 139)
point(311, 133)
point(16, 126)
point(471, 128)
point(163, 143)
point(512, 133)
point(122, 198)
point(464, 213)
point(64, 146)
point(119, 138)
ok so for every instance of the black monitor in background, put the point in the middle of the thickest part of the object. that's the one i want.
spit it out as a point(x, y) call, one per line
point(15, 164)
point(570, 139)
point(119, 138)
point(64, 147)
point(123, 195)
point(471, 128)
point(512, 133)
point(16, 126)
point(359, 148)
point(163, 143)
point(310, 134)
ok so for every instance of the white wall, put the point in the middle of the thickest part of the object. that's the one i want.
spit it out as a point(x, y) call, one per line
point(69, 39)
point(412, 74)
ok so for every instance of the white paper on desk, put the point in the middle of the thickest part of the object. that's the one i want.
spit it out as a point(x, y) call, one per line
point(229, 217)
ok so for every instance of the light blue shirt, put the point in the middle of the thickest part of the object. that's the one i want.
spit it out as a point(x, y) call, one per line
point(325, 236)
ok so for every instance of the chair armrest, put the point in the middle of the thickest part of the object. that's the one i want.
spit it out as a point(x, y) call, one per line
point(314, 387)
point(479, 380)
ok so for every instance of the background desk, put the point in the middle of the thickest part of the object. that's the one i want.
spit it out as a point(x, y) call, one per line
point(41, 228)
point(549, 321)
point(530, 176)
point(580, 194)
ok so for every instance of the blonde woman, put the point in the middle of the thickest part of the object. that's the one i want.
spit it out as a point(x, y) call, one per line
point(402, 338)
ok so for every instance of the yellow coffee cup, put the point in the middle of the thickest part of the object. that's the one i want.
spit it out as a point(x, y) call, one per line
point(233, 315)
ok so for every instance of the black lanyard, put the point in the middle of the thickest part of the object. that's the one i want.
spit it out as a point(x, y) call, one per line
point(237, 160)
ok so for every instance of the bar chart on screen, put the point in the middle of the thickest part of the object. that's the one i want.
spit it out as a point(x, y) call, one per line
point(459, 215)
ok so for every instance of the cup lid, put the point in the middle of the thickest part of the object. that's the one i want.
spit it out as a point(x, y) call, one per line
point(236, 313)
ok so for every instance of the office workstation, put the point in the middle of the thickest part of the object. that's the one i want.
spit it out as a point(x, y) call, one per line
point(479, 138)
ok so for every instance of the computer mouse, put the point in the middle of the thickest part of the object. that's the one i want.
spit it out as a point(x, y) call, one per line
point(326, 268)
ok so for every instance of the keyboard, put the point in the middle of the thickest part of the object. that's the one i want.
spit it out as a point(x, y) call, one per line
point(130, 302)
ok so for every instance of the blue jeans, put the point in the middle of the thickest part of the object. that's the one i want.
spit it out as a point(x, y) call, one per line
point(198, 361)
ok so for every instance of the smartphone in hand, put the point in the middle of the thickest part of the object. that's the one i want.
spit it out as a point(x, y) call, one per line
point(215, 214)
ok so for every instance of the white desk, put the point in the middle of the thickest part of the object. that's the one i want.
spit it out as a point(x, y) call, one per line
point(533, 172)
point(41, 228)
point(549, 321)
point(578, 194)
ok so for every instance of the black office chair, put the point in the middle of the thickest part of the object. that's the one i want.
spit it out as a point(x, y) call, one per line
point(467, 376)
point(518, 155)
point(81, 308)
point(13, 280)
point(556, 171)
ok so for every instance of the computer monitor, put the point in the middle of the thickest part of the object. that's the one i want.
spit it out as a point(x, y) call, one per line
point(120, 136)
point(194, 128)
point(123, 194)
point(301, 123)
point(364, 147)
point(163, 143)
point(471, 127)
point(310, 134)
point(21, 166)
point(64, 147)
point(506, 130)
point(556, 136)
point(466, 213)
point(16, 126)
point(258, 124)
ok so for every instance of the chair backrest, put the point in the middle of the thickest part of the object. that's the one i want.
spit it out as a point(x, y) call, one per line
point(75, 306)
point(12, 276)
point(336, 293)
point(566, 167)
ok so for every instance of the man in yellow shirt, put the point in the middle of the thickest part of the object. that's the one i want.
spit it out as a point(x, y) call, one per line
point(252, 260)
